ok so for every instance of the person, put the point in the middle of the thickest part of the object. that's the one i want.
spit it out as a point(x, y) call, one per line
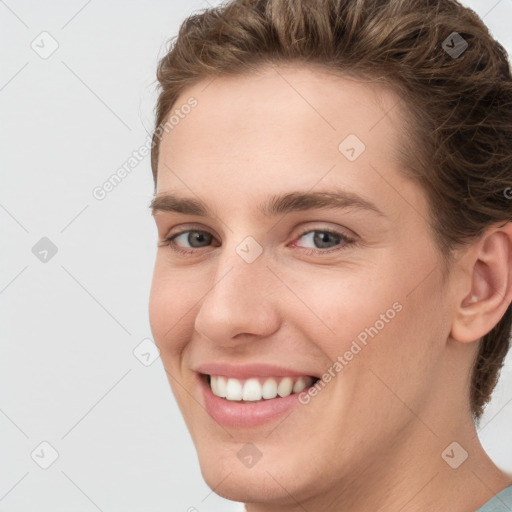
point(332, 288)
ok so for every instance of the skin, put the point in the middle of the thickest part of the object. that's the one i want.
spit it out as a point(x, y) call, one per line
point(372, 439)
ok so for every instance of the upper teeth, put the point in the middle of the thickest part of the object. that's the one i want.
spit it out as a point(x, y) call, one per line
point(255, 388)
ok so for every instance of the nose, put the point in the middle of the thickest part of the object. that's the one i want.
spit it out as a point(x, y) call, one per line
point(242, 304)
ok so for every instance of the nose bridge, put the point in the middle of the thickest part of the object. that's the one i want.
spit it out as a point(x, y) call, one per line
point(239, 300)
point(241, 272)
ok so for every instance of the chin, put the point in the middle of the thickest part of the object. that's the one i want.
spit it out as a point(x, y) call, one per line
point(273, 478)
point(248, 485)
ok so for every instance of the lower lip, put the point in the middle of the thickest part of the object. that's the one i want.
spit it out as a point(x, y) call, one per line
point(245, 414)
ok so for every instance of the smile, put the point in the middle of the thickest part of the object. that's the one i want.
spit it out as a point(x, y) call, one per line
point(257, 388)
point(251, 395)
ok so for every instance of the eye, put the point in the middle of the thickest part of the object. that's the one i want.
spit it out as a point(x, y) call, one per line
point(194, 237)
point(325, 241)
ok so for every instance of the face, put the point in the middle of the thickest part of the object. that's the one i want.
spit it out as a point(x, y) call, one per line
point(308, 258)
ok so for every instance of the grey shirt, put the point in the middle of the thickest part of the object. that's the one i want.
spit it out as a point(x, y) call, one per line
point(502, 502)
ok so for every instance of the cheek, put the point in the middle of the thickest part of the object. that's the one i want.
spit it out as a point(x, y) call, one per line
point(346, 305)
point(386, 316)
point(404, 347)
point(169, 301)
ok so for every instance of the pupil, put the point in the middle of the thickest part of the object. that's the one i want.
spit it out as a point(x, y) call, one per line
point(322, 238)
point(196, 237)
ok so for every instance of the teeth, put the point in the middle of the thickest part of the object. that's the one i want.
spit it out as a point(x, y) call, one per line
point(285, 387)
point(251, 390)
point(269, 389)
point(218, 385)
point(255, 389)
point(234, 389)
point(300, 385)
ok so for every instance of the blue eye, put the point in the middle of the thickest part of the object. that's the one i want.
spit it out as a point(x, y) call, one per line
point(327, 241)
point(322, 239)
point(194, 237)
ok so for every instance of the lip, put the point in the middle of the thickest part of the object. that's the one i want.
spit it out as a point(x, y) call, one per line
point(249, 370)
point(245, 414)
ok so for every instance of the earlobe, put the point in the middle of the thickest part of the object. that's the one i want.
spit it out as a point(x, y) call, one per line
point(490, 283)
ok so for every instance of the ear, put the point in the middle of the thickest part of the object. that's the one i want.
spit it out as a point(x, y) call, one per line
point(487, 290)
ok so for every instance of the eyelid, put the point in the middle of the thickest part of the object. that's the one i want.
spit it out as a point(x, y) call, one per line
point(189, 226)
point(348, 233)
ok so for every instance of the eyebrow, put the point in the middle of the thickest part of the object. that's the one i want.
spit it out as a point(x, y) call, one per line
point(273, 206)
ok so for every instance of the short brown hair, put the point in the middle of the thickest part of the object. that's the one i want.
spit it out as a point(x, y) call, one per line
point(459, 107)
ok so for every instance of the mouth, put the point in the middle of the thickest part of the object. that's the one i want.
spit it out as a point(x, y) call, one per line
point(251, 402)
point(247, 395)
point(257, 389)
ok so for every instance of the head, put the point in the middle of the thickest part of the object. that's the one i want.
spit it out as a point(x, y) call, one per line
point(403, 303)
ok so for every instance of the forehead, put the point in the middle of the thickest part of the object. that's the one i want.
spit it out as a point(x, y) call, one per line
point(279, 126)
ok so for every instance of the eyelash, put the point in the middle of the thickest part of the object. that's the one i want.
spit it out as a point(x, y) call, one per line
point(169, 242)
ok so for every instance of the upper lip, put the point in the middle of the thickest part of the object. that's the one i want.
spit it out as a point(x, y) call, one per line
point(245, 371)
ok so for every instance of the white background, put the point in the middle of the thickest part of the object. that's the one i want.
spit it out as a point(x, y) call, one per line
point(69, 326)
